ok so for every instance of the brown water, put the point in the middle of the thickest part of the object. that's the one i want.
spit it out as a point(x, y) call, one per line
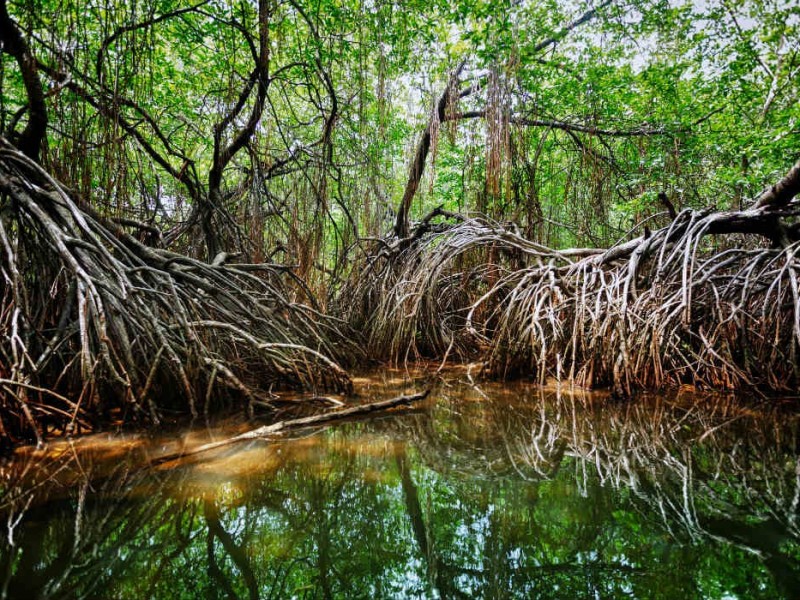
point(489, 490)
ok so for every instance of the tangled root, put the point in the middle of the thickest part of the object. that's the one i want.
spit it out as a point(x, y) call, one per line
point(96, 325)
point(662, 310)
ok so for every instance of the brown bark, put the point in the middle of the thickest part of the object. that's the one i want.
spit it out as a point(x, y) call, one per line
point(781, 193)
point(401, 227)
point(13, 43)
point(223, 153)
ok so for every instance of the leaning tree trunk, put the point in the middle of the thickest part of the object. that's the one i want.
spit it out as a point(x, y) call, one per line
point(401, 226)
point(780, 194)
point(12, 42)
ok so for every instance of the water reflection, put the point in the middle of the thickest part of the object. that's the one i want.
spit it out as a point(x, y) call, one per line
point(495, 491)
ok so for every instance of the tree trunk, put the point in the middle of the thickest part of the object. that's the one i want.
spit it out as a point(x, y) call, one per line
point(401, 227)
point(12, 42)
point(781, 193)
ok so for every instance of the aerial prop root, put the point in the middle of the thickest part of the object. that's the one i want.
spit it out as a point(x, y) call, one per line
point(120, 325)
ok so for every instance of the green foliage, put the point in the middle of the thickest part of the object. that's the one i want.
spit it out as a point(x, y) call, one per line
point(716, 83)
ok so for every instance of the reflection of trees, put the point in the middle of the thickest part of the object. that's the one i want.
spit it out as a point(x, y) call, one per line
point(216, 531)
point(709, 468)
point(64, 542)
point(310, 529)
point(507, 496)
point(440, 574)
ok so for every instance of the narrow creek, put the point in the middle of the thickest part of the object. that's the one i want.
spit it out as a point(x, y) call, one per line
point(486, 491)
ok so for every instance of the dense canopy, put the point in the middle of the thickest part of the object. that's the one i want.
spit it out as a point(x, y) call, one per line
point(292, 124)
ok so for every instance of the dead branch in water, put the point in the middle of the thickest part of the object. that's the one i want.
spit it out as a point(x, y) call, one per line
point(281, 427)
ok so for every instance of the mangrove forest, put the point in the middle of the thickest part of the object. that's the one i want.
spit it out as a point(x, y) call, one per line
point(399, 299)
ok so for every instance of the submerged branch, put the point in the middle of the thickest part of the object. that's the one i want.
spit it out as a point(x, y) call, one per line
point(281, 427)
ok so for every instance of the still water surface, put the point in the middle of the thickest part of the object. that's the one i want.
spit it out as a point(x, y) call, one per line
point(488, 491)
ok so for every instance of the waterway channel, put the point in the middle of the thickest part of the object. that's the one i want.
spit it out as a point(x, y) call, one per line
point(487, 490)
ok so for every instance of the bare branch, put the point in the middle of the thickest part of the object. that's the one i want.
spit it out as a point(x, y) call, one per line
point(641, 131)
point(136, 26)
point(562, 33)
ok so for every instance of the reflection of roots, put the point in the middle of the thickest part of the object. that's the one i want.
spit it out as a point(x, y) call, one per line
point(695, 462)
point(665, 309)
point(75, 539)
point(125, 329)
point(709, 468)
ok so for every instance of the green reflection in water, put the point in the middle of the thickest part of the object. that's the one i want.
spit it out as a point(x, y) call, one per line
point(494, 492)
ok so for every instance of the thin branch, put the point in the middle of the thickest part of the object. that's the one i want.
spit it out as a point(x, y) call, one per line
point(566, 126)
point(136, 26)
point(562, 33)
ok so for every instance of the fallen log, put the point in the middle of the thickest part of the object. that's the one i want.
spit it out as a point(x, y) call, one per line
point(283, 426)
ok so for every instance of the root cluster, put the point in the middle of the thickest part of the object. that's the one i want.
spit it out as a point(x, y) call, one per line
point(96, 325)
point(670, 308)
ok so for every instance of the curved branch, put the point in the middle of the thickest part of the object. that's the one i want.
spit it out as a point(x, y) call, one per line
point(561, 34)
point(111, 110)
point(259, 77)
point(135, 26)
point(13, 43)
point(781, 193)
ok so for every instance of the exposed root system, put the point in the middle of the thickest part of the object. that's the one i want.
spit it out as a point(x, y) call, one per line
point(668, 308)
point(97, 326)
point(672, 311)
point(412, 298)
